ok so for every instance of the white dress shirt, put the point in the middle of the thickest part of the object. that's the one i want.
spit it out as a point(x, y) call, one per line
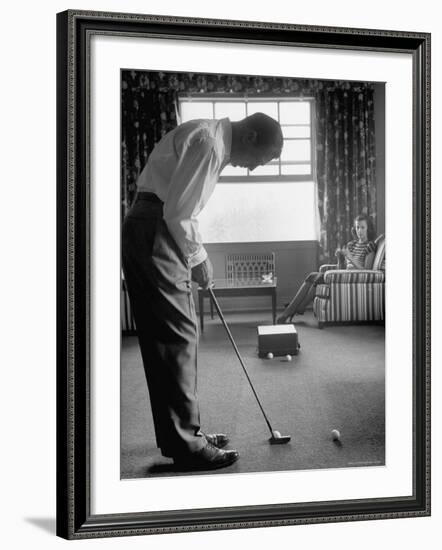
point(182, 171)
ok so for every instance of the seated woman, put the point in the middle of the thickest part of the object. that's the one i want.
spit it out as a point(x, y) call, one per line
point(357, 254)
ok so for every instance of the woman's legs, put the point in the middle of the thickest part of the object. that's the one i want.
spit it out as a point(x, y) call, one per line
point(303, 297)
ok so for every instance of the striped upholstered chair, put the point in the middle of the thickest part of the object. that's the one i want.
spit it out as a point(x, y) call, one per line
point(352, 296)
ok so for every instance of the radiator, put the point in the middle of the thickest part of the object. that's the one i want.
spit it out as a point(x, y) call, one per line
point(249, 266)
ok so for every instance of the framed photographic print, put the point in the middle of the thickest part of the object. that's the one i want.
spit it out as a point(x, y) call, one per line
point(243, 274)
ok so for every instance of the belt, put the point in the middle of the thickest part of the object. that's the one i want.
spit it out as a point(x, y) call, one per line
point(146, 196)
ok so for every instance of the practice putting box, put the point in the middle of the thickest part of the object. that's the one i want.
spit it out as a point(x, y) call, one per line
point(277, 339)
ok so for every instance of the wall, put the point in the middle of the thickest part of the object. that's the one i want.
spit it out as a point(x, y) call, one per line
point(27, 354)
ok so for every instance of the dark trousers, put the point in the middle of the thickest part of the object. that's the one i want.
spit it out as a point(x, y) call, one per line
point(158, 281)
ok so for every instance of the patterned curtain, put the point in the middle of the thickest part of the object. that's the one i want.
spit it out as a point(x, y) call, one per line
point(345, 140)
point(345, 161)
point(148, 111)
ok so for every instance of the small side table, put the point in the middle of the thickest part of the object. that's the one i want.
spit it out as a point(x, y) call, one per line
point(239, 287)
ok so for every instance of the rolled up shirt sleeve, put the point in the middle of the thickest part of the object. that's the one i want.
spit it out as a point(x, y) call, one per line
point(195, 173)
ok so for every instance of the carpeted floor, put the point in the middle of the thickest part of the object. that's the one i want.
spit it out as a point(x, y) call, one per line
point(336, 382)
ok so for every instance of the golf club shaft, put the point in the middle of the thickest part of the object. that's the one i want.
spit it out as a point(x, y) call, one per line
point(229, 334)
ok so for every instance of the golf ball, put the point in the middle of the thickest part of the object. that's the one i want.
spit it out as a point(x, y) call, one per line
point(276, 433)
point(288, 357)
point(336, 435)
point(270, 355)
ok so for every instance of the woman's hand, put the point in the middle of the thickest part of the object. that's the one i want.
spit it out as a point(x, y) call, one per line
point(355, 263)
point(341, 252)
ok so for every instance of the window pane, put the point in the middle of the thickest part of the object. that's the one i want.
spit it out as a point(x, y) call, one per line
point(259, 212)
point(294, 112)
point(269, 108)
point(230, 170)
point(296, 169)
point(235, 110)
point(196, 109)
point(296, 131)
point(298, 149)
point(266, 170)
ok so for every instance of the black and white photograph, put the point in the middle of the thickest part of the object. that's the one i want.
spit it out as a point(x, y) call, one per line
point(253, 274)
point(243, 308)
point(222, 253)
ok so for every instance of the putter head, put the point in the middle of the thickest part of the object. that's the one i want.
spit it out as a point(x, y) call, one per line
point(278, 439)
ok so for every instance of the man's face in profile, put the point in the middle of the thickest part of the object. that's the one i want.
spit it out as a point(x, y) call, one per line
point(252, 156)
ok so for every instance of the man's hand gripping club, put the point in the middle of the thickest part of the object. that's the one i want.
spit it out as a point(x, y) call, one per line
point(203, 274)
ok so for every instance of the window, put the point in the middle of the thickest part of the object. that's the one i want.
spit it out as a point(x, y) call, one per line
point(282, 191)
point(295, 117)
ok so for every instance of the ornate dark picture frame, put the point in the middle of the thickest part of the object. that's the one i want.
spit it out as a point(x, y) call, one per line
point(74, 517)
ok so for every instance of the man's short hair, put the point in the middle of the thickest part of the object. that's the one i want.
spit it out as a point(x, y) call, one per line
point(268, 130)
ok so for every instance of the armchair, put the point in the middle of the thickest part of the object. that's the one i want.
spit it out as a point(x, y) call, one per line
point(352, 296)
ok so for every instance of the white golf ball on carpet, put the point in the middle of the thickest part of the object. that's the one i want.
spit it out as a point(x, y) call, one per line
point(336, 435)
point(270, 355)
point(276, 433)
point(288, 357)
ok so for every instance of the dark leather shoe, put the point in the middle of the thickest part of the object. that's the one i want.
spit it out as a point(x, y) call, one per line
point(208, 458)
point(219, 440)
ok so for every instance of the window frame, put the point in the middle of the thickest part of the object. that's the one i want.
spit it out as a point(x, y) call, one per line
point(222, 97)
